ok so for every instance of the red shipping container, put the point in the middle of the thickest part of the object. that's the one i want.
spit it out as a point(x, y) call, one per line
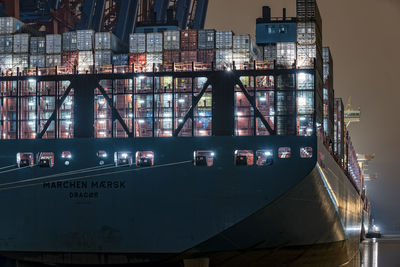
point(70, 59)
point(137, 59)
point(188, 40)
point(188, 56)
point(206, 56)
point(171, 56)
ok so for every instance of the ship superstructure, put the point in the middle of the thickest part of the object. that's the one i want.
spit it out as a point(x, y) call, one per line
point(196, 147)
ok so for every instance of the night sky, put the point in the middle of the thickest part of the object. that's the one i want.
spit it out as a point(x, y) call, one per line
point(364, 37)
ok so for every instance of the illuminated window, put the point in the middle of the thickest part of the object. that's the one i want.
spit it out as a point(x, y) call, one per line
point(46, 160)
point(204, 158)
point(306, 152)
point(144, 158)
point(123, 158)
point(244, 158)
point(284, 152)
point(264, 157)
point(66, 155)
point(25, 159)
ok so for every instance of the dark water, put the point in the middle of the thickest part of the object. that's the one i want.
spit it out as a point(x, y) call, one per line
point(383, 253)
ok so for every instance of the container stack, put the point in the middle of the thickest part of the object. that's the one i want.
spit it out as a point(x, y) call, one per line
point(270, 52)
point(105, 43)
point(285, 54)
point(6, 50)
point(84, 45)
point(154, 49)
point(223, 44)
point(137, 50)
point(70, 50)
point(37, 49)
point(242, 49)
point(53, 50)
point(206, 46)
point(189, 46)
point(20, 56)
point(171, 47)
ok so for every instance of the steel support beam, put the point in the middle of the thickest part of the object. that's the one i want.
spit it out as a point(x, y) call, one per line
point(98, 15)
point(200, 16)
point(182, 12)
point(126, 19)
point(160, 8)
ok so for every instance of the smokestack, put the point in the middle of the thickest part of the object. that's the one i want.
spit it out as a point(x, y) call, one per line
point(284, 14)
point(266, 12)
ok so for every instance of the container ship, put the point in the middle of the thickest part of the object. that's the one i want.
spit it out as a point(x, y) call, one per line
point(199, 147)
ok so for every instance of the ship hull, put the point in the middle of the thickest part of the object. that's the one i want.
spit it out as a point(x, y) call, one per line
point(174, 210)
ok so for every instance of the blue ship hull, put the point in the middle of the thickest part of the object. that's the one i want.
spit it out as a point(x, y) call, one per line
point(174, 210)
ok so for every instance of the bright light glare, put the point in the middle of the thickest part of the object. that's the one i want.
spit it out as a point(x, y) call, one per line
point(228, 69)
point(181, 100)
point(302, 118)
point(302, 77)
point(268, 153)
point(124, 155)
point(141, 77)
point(212, 154)
point(301, 101)
point(141, 121)
point(31, 80)
point(262, 99)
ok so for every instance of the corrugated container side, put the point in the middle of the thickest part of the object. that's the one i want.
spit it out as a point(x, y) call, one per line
point(137, 43)
point(206, 39)
point(223, 40)
point(188, 56)
point(53, 43)
point(241, 43)
point(6, 44)
point(154, 42)
point(171, 40)
point(69, 41)
point(223, 57)
point(138, 59)
point(6, 62)
point(121, 59)
point(85, 60)
point(206, 56)
point(107, 41)
point(37, 61)
point(10, 25)
point(188, 40)
point(21, 43)
point(20, 61)
point(306, 55)
point(103, 57)
point(70, 59)
point(241, 57)
point(285, 53)
point(38, 45)
point(171, 56)
point(85, 39)
point(53, 60)
point(270, 52)
point(154, 58)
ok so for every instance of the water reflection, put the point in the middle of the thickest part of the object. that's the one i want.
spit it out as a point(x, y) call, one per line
point(370, 253)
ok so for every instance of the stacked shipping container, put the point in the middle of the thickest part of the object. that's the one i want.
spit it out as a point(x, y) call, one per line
point(53, 50)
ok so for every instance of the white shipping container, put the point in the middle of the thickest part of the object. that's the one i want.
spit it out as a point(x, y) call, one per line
point(285, 53)
point(53, 61)
point(53, 43)
point(6, 44)
point(85, 60)
point(223, 40)
point(38, 45)
point(9, 25)
point(153, 58)
point(21, 43)
point(103, 57)
point(171, 40)
point(306, 33)
point(241, 43)
point(37, 61)
point(154, 42)
point(106, 41)
point(20, 61)
point(6, 62)
point(85, 39)
point(137, 43)
point(69, 41)
point(241, 57)
point(223, 57)
point(306, 55)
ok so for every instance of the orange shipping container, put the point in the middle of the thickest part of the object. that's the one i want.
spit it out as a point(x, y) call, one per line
point(69, 59)
point(137, 59)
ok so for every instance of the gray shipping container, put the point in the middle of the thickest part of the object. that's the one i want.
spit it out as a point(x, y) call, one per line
point(53, 60)
point(154, 42)
point(241, 57)
point(6, 62)
point(107, 41)
point(20, 61)
point(9, 25)
point(6, 44)
point(53, 43)
point(172, 40)
point(223, 57)
point(37, 61)
point(223, 40)
point(38, 45)
point(21, 43)
point(206, 39)
point(242, 43)
point(103, 57)
point(69, 41)
point(137, 43)
point(285, 53)
point(270, 52)
point(85, 60)
point(85, 40)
